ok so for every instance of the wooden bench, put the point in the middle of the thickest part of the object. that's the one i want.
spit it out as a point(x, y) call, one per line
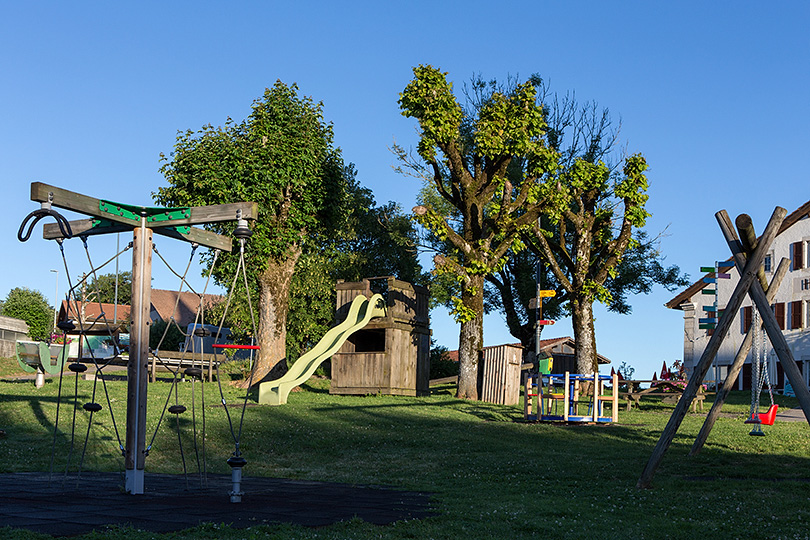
point(670, 392)
point(173, 361)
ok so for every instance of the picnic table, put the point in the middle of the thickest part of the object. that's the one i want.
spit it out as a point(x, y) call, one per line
point(671, 393)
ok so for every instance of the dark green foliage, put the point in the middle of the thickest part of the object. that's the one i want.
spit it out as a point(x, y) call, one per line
point(373, 241)
point(281, 157)
point(31, 307)
point(440, 363)
point(174, 336)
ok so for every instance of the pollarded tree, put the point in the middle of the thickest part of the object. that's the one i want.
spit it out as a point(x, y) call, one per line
point(468, 153)
point(584, 240)
point(282, 157)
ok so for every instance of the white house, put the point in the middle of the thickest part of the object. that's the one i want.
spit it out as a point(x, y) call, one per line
point(791, 307)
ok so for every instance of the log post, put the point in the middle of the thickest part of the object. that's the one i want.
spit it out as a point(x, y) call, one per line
point(736, 367)
point(137, 369)
point(778, 342)
point(747, 276)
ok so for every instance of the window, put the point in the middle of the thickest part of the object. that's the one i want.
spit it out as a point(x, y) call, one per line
point(779, 311)
point(766, 264)
point(747, 318)
point(796, 315)
point(797, 256)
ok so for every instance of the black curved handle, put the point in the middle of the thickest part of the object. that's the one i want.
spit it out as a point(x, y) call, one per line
point(64, 225)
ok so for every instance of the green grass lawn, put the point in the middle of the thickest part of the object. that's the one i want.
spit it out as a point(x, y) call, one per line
point(492, 475)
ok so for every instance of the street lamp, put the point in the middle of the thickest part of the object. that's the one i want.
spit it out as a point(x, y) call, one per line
point(56, 299)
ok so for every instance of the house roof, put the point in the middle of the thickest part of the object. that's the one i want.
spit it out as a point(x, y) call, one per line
point(93, 311)
point(789, 221)
point(162, 304)
point(547, 346)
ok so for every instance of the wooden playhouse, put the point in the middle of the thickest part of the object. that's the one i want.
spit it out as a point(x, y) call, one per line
point(391, 355)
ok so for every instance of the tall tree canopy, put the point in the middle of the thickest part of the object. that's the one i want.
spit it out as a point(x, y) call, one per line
point(592, 244)
point(282, 157)
point(467, 153)
point(102, 288)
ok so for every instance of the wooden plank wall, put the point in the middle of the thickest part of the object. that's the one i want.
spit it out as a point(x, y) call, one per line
point(502, 375)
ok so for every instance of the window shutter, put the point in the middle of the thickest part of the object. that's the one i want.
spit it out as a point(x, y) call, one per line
point(798, 255)
point(795, 314)
point(748, 316)
point(779, 311)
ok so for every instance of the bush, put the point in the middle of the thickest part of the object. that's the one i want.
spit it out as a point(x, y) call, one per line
point(32, 307)
point(440, 363)
point(173, 338)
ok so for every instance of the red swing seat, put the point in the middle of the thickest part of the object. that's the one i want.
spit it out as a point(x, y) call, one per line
point(767, 418)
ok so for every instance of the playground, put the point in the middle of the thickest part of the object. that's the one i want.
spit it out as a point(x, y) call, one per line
point(486, 472)
point(376, 451)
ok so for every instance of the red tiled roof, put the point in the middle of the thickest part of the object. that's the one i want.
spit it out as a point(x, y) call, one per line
point(163, 303)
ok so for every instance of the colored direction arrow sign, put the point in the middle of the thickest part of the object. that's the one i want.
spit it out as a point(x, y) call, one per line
point(709, 280)
point(543, 321)
point(706, 327)
point(707, 268)
point(546, 294)
point(724, 276)
point(709, 291)
point(708, 320)
point(709, 308)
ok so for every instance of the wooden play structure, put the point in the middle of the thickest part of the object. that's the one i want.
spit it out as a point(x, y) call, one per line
point(748, 252)
point(391, 354)
point(111, 217)
point(562, 398)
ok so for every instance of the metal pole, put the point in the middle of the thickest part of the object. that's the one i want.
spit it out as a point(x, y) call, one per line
point(56, 299)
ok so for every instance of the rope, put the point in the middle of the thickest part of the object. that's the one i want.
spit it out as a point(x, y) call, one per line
point(83, 340)
point(199, 317)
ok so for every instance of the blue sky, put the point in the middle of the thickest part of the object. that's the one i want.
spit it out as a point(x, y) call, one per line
point(714, 94)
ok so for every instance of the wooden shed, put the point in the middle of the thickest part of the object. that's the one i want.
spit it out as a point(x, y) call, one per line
point(501, 377)
point(391, 355)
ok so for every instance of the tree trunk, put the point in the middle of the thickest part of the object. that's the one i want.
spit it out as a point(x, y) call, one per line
point(471, 341)
point(274, 287)
point(584, 335)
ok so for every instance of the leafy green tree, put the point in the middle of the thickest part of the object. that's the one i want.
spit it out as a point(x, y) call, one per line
point(373, 241)
point(169, 340)
point(32, 307)
point(282, 157)
point(102, 288)
point(467, 154)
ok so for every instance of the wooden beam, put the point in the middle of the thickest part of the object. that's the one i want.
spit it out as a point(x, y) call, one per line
point(83, 227)
point(747, 276)
point(216, 213)
point(198, 236)
point(90, 227)
point(91, 206)
point(775, 334)
point(736, 366)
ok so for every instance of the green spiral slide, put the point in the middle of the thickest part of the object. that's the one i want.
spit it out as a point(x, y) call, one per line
point(361, 312)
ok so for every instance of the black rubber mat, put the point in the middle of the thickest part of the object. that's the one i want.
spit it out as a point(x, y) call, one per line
point(67, 506)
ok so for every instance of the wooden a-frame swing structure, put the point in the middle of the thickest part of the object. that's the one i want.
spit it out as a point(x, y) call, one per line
point(110, 217)
point(748, 253)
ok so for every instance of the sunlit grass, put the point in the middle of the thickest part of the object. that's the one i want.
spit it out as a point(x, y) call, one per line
point(492, 475)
